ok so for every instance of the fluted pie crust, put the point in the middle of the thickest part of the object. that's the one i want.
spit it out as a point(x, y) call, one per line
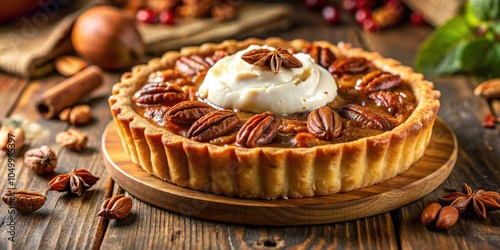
point(271, 172)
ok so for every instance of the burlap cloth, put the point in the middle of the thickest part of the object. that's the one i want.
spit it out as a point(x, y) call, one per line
point(29, 45)
point(436, 12)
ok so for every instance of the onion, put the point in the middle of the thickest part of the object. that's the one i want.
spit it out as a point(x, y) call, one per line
point(106, 37)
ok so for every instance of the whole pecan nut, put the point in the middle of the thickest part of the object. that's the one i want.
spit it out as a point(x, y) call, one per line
point(390, 100)
point(42, 160)
point(116, 207)
point(77, 115)
point(489, 89)
point(365, 117)
point(23, 200)
point(324, 123)
point(73, 139)
point(191, 65)
point(259, 130)
point(430, 213)
point(212, 125)
point(187, 112)
point(69, 65)
point(159, 93)
point(321, 55)
point(350, 65)
point(77, 181)
point(378, 80)
point(447, 217)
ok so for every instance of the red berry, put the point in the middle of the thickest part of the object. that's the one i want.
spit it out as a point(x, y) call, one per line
point(146, 15)
point(331, 14)
point(349, 5)
point(316, 4)
point(362, 14)
point(167, 17)
point(370, 25)
point(417, 18)
point(489, 121)
point(393, 3)
point(369, 4)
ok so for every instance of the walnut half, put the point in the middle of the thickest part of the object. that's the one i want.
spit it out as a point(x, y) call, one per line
point(42, 160)
point(73, 139)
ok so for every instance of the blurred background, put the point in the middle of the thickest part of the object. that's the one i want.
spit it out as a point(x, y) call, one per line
point(34, 33)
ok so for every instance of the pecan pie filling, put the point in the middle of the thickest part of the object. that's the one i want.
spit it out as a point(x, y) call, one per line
point(368, 102)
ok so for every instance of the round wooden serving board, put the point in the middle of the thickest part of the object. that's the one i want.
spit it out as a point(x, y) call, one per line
point(420, 179)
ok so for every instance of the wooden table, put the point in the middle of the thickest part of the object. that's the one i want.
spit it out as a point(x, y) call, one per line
point(66, 221)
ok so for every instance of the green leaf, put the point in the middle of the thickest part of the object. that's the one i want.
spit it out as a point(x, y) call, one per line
point(492, 67)
point(441, 52)
point(477, 55)
point(470, 15)
point(484, 9)
point(495, 28)
point(450, 62)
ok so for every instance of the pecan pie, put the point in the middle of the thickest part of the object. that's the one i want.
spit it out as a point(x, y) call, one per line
point(273, 118)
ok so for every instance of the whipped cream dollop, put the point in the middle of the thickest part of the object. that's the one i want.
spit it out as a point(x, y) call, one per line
point(233, 83)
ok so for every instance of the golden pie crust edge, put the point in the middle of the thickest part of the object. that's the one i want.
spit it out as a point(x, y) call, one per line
point(266, 172)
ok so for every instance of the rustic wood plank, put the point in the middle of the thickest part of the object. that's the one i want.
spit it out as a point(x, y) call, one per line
point(149, 227)
point(375, 232)
point(10, 88)
point(65, 221)
point(25, 178)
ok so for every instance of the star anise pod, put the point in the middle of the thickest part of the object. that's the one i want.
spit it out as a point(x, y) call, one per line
point(77, 181)
point(480, 201)
point(274, 59)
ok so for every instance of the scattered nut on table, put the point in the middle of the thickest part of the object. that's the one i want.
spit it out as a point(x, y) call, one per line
point(116, 207)
point(448, 216)
point(69, 65)
point(440, 217)
point(489, 89)
point(42, 160)
point(73, 139)
point(23, 200)
point(11, 139)
point(77, 115)
point(430, 214)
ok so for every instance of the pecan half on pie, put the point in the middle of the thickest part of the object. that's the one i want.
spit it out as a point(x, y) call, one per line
point(274, 119)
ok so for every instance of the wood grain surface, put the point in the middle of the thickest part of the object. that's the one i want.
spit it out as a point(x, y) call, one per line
point(420, 179)
point(68, 222)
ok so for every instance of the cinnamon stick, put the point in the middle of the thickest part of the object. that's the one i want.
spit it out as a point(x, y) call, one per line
point(69, 92)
